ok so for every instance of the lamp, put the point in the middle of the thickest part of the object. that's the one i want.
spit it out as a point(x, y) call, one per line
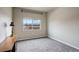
point(12, 24)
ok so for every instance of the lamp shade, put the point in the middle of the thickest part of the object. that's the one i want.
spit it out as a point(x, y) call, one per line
point(12, 24)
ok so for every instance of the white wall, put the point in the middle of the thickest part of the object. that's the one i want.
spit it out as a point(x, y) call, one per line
point(5, 18)
point(63, 25)
point(18, 28)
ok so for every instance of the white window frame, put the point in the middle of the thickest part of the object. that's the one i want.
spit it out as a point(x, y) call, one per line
point(32, 24)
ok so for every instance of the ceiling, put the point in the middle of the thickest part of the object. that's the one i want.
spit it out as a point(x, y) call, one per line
point(41, 9)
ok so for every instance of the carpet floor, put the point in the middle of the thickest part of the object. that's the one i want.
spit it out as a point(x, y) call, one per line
point(43, 45)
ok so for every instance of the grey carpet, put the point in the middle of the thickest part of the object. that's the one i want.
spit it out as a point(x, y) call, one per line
point(43, 45)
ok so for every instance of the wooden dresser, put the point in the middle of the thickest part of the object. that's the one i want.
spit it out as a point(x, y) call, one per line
point(8, 44)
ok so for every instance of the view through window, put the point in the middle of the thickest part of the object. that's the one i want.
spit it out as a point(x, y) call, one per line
point(29, 24)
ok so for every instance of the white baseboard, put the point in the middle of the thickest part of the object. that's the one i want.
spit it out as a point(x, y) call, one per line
point(52, 37)
point(22, 39)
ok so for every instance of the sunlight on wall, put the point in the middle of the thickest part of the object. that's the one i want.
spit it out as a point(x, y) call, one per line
point(5, 19)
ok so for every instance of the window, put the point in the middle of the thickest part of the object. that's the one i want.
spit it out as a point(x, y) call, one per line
point(30, 24)
point(36, 24)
